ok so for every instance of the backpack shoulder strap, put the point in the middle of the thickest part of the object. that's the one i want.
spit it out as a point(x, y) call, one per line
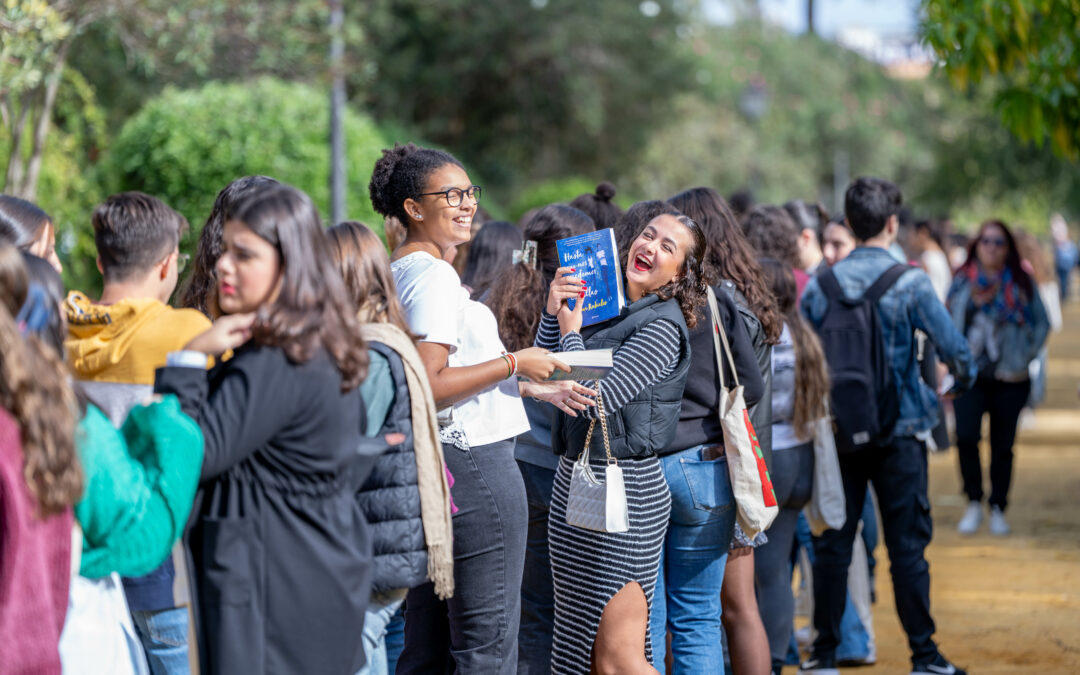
point(885, 282)
point(830, 286)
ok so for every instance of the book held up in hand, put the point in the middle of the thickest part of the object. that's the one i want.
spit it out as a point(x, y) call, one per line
point(595, 259)
point(590, 364)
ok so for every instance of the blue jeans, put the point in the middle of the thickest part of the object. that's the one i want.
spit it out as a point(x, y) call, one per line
point(687, 600)
point(395, 639)
point(164, 635)
point(380, 612)
point(476, 630)
point(537, 589)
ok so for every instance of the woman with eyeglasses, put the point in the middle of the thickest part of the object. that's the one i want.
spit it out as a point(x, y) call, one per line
point(995, 303)
point(476, 388)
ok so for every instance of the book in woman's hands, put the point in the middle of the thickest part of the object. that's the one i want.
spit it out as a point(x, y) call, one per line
point(596, 260)
point(590, 364)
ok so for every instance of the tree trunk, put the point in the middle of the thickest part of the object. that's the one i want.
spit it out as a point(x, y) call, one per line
point(337, 112)
point(44, 121)
point(810, 17)
point(14, 175)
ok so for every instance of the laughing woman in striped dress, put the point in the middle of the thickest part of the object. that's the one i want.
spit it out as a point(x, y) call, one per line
point(604, 582)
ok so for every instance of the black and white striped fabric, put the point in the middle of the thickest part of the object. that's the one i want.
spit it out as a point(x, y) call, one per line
point(589, 567)
point(643, 360)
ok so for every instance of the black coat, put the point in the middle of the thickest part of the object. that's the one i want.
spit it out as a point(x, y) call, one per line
point(699, 417)
point(279, 551)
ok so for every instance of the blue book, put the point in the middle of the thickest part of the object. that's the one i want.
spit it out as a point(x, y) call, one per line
point(596, 260)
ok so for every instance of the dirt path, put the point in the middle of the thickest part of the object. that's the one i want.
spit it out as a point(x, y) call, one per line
point(1008, 605)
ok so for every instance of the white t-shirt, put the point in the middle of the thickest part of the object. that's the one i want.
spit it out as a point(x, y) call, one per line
point(438, 309)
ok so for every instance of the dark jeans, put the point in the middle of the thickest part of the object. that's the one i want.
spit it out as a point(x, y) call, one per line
point(898, 473)
point(537, 589)
point(1003, 400)
point(475, 631)
point(793, 480)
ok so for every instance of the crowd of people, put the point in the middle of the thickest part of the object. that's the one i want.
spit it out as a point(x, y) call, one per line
point(331, 459)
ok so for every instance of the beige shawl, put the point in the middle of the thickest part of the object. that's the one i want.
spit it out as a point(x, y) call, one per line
point(431, 475)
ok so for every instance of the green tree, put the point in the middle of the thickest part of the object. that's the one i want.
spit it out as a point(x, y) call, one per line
point(1029, 48)
point(528, 89)
point(185, 145)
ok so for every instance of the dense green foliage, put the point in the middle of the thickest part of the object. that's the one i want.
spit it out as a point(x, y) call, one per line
point(1029, 48)
point(186, 145)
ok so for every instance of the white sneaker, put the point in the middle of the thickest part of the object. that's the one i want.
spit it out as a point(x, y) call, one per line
point(999, 527)
point(972, 519)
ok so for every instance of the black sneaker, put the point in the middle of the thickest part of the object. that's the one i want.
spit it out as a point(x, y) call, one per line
point(819, 666)
point(938, 666)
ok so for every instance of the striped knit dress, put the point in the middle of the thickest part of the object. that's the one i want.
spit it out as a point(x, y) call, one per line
point(589, 568)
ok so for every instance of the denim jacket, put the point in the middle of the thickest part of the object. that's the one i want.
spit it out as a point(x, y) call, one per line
point(909, 305)
point(1017, 345)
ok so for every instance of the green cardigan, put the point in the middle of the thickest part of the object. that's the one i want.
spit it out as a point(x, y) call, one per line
point(140, 481)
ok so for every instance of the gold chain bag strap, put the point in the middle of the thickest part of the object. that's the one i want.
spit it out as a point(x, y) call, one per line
point(593, 504)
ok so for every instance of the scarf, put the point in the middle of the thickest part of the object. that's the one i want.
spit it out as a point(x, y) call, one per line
point(430, 472)
point(998, 296)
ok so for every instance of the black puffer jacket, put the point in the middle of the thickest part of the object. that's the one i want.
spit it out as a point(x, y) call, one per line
point(390, 499)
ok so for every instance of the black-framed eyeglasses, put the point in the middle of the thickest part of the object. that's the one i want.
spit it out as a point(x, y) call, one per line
point(454, 196)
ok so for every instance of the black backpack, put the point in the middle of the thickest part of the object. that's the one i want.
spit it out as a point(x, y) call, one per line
point(865, 401)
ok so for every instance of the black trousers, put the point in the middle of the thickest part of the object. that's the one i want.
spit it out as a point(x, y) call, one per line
point(898, 472)
point(1004, 401)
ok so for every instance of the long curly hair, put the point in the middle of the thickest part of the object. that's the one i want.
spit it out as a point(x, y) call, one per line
point(34, 389)
point(691, 286)
point(365, 269)
point(811, 370)
point(518, 295)
point(730, 256)
point(200, 291)
point(312, 308)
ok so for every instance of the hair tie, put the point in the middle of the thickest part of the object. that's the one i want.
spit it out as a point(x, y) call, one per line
point(526, 254)
point(33, 316)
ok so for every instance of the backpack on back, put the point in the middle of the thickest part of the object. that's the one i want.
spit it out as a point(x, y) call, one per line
point(865, 401)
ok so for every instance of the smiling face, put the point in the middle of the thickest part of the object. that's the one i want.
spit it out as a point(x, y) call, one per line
point(656, 257)
point(993, 248)
point(248, 271)
point(443, 224)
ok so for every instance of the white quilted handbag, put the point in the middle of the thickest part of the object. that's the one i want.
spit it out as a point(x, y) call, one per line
point(594, 504)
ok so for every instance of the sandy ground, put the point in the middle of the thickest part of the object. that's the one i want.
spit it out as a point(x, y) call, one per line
point(1007, 605)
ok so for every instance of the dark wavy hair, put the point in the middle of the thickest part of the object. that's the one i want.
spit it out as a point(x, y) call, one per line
point(312, 308)
point(401, 173)
point(519, 294)
point(34, 389)
point(691, 286)
point(598, 205)
point(1012, 257)
point(490, 252)
point(808, 216)
point(200, 291)
point(365, 269)
point(730, 255)
point(773, 233)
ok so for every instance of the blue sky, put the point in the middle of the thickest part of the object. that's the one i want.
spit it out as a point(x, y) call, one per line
point(886, 17)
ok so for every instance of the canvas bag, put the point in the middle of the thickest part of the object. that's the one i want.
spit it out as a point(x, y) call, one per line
point(755, 500)
point(593, 504)
point(827, 509)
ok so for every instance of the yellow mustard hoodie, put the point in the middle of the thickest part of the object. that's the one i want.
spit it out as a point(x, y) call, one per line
point(128, 340)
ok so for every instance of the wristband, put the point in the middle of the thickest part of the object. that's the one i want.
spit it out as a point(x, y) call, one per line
point(513, 364)
point(509, 365)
